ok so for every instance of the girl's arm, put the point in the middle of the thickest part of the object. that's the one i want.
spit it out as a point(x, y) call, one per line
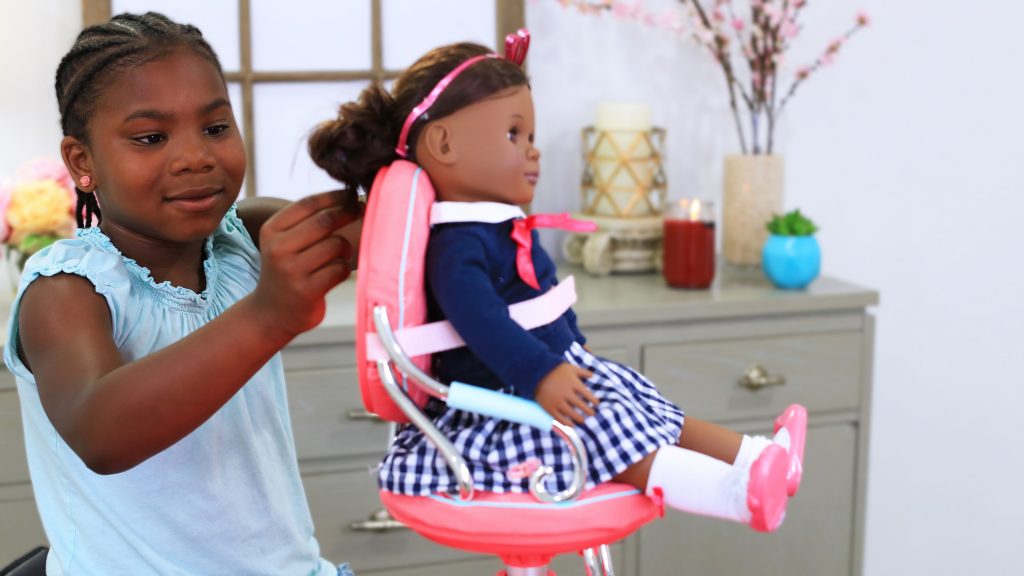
point(115, 414)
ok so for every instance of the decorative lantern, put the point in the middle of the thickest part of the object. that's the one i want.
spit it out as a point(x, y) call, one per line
point(623, 191)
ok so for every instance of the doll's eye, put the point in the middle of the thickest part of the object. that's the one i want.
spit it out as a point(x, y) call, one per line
point(513, 134)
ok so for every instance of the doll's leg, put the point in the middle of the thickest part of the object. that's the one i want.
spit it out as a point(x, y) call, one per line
point(711, 439)
point(699, 484)
point(742, 451)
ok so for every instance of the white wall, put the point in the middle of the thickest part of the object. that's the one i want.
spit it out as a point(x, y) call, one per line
point(907, 152)
point(33, 38)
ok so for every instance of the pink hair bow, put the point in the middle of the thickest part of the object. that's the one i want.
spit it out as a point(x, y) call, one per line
point(516, 46)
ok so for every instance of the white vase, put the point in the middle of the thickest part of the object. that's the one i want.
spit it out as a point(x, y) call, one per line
point(752, 194)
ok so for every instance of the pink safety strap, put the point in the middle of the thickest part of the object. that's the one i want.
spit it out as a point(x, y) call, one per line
point(440, 336)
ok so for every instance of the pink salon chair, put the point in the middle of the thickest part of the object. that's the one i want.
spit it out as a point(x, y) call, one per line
point(393, 348)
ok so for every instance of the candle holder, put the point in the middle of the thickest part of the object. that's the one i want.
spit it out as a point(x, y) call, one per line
point(623, 176)
point(688, 246)
point(623, 191)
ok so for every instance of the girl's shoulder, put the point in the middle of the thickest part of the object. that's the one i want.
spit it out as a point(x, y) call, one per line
point(89, 254)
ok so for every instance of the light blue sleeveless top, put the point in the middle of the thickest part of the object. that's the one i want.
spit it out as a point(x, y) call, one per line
point(227, 498)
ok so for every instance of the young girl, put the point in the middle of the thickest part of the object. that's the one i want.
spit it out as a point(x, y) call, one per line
point(146, 349)
point(467, 118)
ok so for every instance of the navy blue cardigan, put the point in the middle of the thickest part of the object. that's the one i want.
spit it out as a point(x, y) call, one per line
point(471, 281)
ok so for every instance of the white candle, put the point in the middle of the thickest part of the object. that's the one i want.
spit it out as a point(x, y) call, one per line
point(622, 157)
point(623, 116)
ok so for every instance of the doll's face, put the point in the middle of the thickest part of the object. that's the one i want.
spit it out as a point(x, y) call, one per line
point(494, 159)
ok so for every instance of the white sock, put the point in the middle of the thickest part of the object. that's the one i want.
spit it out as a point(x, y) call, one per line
point(697, 483)
point(752, 446)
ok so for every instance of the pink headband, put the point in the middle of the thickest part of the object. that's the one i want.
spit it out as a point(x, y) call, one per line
point(515, 51)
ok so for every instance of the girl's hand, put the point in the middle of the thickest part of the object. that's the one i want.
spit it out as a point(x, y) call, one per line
point(564, 394)
point(303, 256)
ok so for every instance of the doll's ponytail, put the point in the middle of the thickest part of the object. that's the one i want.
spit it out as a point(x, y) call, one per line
point(360, 141)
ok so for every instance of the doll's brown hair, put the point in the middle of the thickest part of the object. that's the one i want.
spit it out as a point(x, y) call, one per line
point(362, 139)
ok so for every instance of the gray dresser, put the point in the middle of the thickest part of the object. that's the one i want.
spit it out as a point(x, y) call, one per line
point(814, 346)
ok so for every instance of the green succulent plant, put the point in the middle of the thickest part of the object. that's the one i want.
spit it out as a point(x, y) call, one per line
point(791, 224)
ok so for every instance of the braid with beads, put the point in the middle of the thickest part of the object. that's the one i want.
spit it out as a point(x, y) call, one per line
point(126, 41)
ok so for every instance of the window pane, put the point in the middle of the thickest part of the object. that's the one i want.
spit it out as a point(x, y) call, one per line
point(235, 95)
point(329, 36)
point(218, 21)
point(285, 114)
point(413, 27)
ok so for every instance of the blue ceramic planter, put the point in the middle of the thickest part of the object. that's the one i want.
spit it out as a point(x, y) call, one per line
point(791, 262)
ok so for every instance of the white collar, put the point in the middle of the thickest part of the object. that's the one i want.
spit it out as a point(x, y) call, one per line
point(487, 212)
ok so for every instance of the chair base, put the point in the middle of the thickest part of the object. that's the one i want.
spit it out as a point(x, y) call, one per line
point(521, 531)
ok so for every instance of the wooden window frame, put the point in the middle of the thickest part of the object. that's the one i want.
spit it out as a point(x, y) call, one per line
point(510, 15)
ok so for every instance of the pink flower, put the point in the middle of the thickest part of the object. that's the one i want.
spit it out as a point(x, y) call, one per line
point(46, 169)
point(789, 29)
point(738, 24)
point(863, 18)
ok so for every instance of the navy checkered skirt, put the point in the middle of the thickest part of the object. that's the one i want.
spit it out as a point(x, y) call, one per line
point(632, 420)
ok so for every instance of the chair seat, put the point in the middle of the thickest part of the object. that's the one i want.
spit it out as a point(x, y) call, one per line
point(517, 526)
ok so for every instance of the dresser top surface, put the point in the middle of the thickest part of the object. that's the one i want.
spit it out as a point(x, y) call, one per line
point(640, 298)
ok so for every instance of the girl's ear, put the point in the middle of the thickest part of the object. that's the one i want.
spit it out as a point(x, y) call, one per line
point(79, 163)
point(437, 142)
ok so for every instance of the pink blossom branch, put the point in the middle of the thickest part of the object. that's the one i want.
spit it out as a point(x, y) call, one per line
point(826, 58)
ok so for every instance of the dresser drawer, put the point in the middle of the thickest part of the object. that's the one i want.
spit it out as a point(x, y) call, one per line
point(20, 528)
point(820, 371)
point(12, 439)
point(338, 499)
point(328, 418)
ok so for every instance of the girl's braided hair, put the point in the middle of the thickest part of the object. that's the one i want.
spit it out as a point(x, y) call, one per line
point(124, 42)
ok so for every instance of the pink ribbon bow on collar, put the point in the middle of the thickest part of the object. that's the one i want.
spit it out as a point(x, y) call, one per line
point(522, 234)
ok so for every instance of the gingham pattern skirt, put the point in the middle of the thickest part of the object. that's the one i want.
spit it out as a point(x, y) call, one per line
point(632, 420)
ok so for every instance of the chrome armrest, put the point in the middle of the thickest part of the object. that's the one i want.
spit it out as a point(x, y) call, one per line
point(478, 400)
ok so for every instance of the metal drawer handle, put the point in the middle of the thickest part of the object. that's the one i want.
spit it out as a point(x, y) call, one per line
point(380, 521)
point(359, 414)
point(757, 377)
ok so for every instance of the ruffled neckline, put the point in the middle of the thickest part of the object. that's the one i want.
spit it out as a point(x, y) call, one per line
point(174, 294)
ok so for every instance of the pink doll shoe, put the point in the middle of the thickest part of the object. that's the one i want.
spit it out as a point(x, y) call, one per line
point(794, 420)
point(766, 490)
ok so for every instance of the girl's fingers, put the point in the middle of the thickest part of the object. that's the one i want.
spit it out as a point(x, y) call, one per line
point(302, 209)
point(314, 228)
point(328, 276)
point(328, 249)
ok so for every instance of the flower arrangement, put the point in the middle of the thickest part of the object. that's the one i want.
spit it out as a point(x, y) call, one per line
point(791, 224)
point(37, 210)
point(754, 34)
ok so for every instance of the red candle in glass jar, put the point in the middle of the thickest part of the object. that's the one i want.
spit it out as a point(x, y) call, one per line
point(688, 245)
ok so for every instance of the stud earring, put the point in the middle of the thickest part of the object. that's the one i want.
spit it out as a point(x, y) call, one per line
point(85, 181)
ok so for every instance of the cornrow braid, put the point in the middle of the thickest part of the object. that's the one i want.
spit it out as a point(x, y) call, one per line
point(86, 209)
point(124, 42)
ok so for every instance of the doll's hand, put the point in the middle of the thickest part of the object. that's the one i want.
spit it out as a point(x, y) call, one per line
point(564, 394)
point(303, 257)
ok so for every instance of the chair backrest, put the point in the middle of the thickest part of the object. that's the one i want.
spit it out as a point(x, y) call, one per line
point(396, 227)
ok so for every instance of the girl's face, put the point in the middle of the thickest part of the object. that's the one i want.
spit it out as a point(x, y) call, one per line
point(165, 153)
point(493, 138)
